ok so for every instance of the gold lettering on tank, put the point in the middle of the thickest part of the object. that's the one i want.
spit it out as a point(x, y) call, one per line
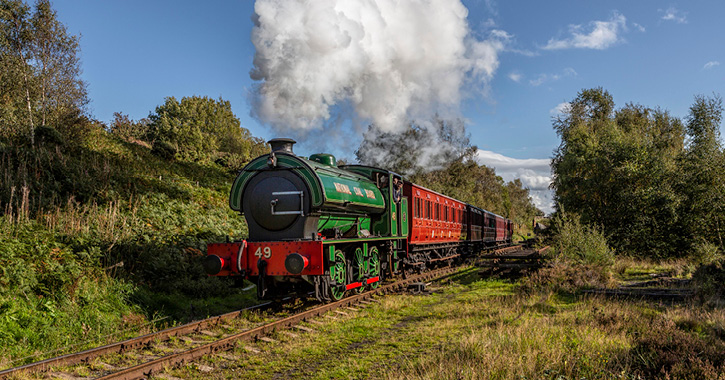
point(342, 188)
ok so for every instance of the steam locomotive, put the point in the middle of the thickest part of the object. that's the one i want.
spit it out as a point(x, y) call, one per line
point(316, 226)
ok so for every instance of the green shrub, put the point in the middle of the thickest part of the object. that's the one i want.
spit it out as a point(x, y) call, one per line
point(164, 150)
point(705, 253)
point(709, 279)
point(48, 135)
point(579, 243)
point(127, 129)
point(232, 161)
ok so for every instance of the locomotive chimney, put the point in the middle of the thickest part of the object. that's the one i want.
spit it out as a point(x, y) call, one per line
point(282, 145)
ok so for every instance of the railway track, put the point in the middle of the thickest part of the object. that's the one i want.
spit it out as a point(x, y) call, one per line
point(152, 354)
point(511, 259)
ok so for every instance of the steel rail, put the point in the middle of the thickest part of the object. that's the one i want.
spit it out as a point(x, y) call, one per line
point(146, 370)
point(128, 344)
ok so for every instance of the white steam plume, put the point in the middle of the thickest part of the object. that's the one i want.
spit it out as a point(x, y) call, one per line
point(389, 61)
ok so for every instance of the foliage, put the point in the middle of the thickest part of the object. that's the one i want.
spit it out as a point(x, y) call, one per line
point(579, 243)
point(48, 135)
point(40, 73)
point(664, 351)
point(709, 279)
point(68, 212)
point(629, 171)
point(200, 128)
point(703, 174)
point(164, 149)
point(127, 129)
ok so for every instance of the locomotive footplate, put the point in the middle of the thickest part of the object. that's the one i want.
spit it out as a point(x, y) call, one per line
point(280, 258)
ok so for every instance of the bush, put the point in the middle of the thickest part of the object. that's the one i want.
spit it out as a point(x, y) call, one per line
point(709, 280)
point(199, 127)
point(706, 253)
point(232, 161)
point(582, 258)
point(579, 243)
point(48, 135)
point(127, 129)
point(164, 150)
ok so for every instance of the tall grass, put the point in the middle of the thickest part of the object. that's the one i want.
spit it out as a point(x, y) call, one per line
point(91, 237)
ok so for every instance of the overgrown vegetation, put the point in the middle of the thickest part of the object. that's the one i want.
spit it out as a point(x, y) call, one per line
point(102, 230)
point(653, 183)
point(482, 329)
point(106, 234)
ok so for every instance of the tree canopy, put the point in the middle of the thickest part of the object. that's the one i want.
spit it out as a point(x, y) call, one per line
point(40, 71)
point(630, 172)
point(201, 128)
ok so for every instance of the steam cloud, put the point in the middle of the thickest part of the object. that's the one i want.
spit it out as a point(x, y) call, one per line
point(384, 61)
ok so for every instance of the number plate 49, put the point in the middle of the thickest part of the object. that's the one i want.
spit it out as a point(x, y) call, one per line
point(263, 251)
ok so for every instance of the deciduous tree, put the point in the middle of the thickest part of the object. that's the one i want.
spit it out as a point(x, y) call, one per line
point(40, 69)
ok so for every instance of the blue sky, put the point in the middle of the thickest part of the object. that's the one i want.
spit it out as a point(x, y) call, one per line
point(655, 53)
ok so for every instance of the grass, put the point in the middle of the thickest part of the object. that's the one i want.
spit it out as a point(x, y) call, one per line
point(484, 329)
point(93, 236)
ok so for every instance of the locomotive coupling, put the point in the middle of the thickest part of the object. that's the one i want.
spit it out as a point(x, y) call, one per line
point(295, 263)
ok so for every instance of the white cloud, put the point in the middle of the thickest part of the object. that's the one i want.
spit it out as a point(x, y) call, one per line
point(534, 173)
point(597, 35)
point(516, 77)
point(545, 78)
point(640, 27)
point(710, 65)
point(560, 108)
point(673, 14)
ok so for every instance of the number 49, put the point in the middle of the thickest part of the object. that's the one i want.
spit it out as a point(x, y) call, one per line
point(267, 252)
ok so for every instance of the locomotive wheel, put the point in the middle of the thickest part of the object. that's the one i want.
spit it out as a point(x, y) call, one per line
point(374, 266)
point(338, 276)
point(359, 269)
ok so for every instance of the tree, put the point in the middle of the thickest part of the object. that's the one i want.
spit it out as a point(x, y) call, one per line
point(438, 155)
point(703, 173)
point(15, 72)
point(616, 170)
point(201, 128)
point(61, 91)
point(40, 69)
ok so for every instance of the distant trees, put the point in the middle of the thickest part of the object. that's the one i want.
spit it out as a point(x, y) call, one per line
point(479, 185)
point(40, 71)
point(630, 172)
point(201, 128)
point(441, 157)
